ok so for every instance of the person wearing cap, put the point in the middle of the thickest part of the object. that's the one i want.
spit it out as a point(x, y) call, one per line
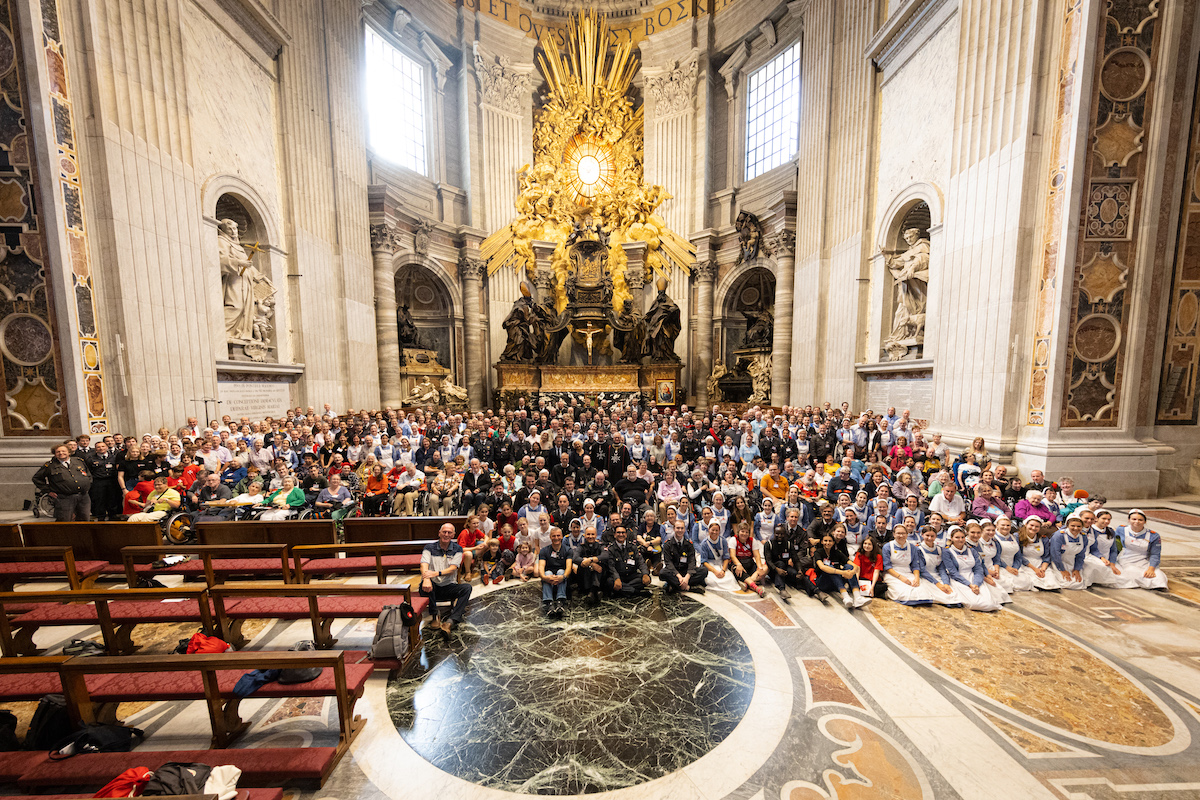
point(1141, 553)
point(1100, 567)
point(934, 576)
point(1010, 559)
point(902, 566)
point(590, 518)
point(1068, 550)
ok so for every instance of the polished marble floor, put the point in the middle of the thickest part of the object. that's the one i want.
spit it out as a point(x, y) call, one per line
point(1081, 695)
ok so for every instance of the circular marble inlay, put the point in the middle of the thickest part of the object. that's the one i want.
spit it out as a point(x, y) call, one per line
point(1097, 337)
point(424, 294)
point(1125, 74)
point(603, 699)
point(1186, 314)
point(26, 339)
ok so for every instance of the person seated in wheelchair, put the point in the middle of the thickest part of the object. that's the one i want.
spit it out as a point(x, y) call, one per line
point(285, 502)
point(334, 501)
point(161, 501)
point(211, 498)
point(375, 494)
point(246, 502)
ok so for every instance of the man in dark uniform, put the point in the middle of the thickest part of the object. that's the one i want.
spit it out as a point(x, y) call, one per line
point(791, 552)
point(589, 571)
point(680, 572)
point(627, 573)
point(68, 481)
point(822, 525)
point(691, 448)
point(106, 492)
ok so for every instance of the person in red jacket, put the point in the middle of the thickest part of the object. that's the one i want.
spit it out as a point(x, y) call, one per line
point(473, 541)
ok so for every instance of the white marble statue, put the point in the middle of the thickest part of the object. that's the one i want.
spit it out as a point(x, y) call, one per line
point(714, 389)
point(452, 395)
point(760, 377)
point(910, 270)
point(249, 305)
point(424, 393)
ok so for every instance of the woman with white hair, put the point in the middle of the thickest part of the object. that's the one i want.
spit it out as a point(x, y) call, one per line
point(284, 501)
point(1033, 506)
point(1141, 554)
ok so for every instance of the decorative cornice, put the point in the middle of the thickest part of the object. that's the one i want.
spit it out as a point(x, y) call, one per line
point(904, 31)
point(674, 90)
point(780, 243)
point(732, 68)
point(258, 23)
point(441, 64)
point(501, 84)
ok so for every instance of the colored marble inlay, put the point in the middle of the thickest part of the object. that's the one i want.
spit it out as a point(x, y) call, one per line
point(602, 699)
point(771, 610)
point(1030, 669)
point(825, 685)
point(1181, 518)
point(873, 767)
point(1029, 742)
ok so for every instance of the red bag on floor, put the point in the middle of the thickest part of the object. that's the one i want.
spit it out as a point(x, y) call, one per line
point(206, 644)
point(128, 784)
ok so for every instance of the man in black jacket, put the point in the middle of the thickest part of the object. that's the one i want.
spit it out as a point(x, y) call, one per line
point(476, 485)
point(68, 481)
point(589, 569)
point(626, 572)
point(105, 491)
point(790, 551)
point(680, 572)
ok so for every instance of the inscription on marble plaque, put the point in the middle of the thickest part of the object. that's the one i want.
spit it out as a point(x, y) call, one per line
point(915, 394)
point(254, 399)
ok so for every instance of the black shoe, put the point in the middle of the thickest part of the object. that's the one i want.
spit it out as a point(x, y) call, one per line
point(556, 610)
point(594, 599)
point(669, 588)
point(696, 589)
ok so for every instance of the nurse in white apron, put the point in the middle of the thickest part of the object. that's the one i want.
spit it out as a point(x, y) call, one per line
point(983, 541)
point(713, 553)
point(933, 571)
point(966, 572)
point(1143, 551)
point(856, 531)
point(1067, 550)
point(1010, 559)
point(1034, 548)
point(902, 571)
point(1100, 567)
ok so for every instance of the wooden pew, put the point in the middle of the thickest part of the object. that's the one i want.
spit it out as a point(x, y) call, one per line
point(359, 530)
point(379, 557)
point(93, 541)
point(116, 611)
point(10, 535)
point(216, 561)
point(320, 603)
point(56, 562)
point(289, 532)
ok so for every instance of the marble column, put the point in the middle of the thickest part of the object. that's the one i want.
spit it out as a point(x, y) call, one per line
point(471, 270)
point(704, 273)
point(781, 245)
point(387, 337)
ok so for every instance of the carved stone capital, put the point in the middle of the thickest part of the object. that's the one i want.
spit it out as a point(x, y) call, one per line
point(471, 269)
point(705, 271)
point(673, 91)
point(635, 277)
point(544, 280)
point(781, 243)
point(383, 238)
point(501, 85)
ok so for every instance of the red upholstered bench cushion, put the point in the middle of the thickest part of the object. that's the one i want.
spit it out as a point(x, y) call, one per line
point(337, 606)
point(230, 566)
point(165, 686)
point(260, 766)
point(123, 612)
point(29, 686)
point(48, 569)
point(15, 763)
point(359, 563)
point(242, 794)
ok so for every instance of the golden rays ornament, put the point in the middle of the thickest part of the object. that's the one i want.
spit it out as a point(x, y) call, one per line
point(587, 145)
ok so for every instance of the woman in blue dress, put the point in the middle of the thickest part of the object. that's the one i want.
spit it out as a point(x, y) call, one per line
point(933, 572)
point(902, 570)
point(1067, 550)
point(964, 567)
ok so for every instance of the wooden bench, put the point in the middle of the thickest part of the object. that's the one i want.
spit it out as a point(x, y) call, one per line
point(289, 532)
point(116, 611)
point(320, 603)
point(360, 530)
point(260, 766)
point(56, 562)
point(379, 557)
point(242, 794)
point(93, 541)
point(10, 535)
point(216, 562)
point(28, 679)
point(99, 680)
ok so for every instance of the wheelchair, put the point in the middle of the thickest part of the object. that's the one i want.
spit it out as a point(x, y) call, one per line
point(43, 504)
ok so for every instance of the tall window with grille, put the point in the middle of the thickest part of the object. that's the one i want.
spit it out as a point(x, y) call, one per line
point(773, 113)
point(395, 105)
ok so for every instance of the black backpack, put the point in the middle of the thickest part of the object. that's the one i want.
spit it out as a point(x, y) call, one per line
point(8, 731)
point(50, 725)
point(95, 737)
point(174, 778)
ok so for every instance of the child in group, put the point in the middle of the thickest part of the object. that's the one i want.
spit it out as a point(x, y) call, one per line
point(491, 563)
point(869, 562)
point(525, 565)
point(834, 574)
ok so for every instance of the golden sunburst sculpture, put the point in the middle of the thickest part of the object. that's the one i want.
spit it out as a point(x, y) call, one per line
point(587, 145)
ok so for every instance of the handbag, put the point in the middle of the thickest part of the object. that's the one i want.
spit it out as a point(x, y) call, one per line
point(95, 737)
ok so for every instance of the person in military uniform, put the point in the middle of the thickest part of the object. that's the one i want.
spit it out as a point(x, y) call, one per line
point(69, 482)
point(626, 574)
point(103, 464)
point(680, 572)
point(589, 572)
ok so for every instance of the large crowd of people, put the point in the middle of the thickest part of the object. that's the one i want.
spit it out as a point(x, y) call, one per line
point(597, 498)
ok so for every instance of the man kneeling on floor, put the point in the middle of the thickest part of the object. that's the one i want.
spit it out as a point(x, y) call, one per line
point(554, 568)
point(627, 573)
point(680, 572)
point(440, 563)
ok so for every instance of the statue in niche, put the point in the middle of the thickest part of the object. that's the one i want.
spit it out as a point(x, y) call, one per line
point(663, 326)
point(759, 369)
point(749, 236)
point(714, 389)
point(408, 334)
point(519, 324)
point(910, 271)
point(424, 393)
point(760, 328)
point(632, 340)
point(247, 315)
point(453, 396)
